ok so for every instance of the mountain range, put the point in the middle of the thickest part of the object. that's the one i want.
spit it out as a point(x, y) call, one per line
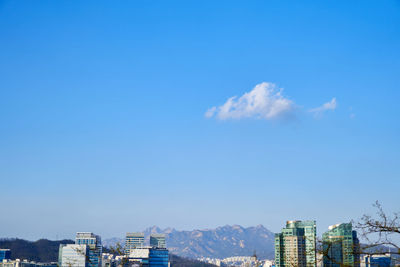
point(222, 242)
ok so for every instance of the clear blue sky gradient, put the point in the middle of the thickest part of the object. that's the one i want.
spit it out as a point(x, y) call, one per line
point(102, 104)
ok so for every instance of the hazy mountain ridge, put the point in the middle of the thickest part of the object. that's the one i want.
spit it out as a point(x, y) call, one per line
point(222, 242)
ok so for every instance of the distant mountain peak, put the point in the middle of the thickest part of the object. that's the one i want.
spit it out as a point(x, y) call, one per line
point(153, 229)
point(169, 230)
point(221, 242)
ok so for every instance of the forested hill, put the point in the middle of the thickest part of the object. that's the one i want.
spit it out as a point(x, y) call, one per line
point(42, 250)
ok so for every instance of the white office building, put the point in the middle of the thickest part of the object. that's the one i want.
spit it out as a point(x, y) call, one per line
point(73, 255)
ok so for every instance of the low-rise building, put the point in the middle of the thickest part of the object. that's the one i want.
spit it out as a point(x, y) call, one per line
point(25, 263)
point(384, 260)
point(149, 256)
point(5, 254)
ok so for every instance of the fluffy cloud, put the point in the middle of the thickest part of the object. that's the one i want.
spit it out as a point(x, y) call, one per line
point(331, 105)
point(265, 101)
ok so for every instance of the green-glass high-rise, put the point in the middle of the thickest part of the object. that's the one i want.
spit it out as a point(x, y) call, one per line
point(341, 246)
point(295, 246)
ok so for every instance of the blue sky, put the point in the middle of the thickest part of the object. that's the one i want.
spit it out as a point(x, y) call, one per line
point(103, 122)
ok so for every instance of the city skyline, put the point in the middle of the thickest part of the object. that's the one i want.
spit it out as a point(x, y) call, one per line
point(296, 245)
point(195, 115)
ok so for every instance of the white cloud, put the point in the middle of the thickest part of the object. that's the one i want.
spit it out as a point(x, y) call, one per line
point(265, 101)
point(210, 112)
point(331, 105)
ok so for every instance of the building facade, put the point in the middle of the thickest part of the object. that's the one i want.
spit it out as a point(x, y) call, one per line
point(157, 241)
point(149, 257)
point(341, 246)
point(384, 260)
point(5, 254)
point(295, 246)
point(25, 263)
point(93, 242)
point(73, 255)
point(133, 241)
point(158, 257)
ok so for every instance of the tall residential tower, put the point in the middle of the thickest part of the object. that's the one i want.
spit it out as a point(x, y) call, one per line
point(295, 246)
point(341, 246)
